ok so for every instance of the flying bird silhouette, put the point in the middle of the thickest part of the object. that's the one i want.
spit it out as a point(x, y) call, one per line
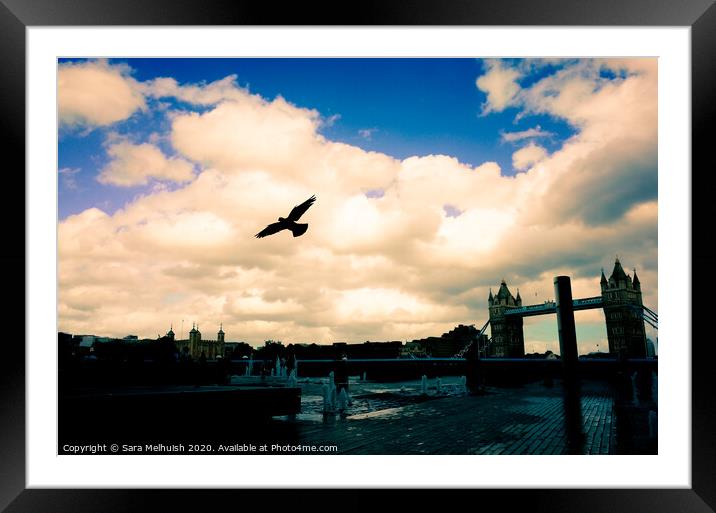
point(289, 223)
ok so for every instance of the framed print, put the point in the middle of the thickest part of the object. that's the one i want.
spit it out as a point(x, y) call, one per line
point(426, 250)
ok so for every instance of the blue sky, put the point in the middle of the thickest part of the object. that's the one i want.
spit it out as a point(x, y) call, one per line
point(435, 178)
point(401, 107)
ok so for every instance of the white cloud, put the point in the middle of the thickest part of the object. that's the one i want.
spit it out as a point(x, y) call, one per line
point(96, 93)
point(67, 175)
point(367, 133)
point(134, 164)
point(330, 120)
point(527, 156)
point(388, 266)
point(530, 133)
point(197, 94)
point(500, 85)
point(248, 132)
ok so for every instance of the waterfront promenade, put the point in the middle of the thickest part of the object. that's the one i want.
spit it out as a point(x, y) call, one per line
point(526, 420)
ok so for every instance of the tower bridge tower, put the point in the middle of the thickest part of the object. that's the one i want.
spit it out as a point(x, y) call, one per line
point(621, 297)
point(507, 337)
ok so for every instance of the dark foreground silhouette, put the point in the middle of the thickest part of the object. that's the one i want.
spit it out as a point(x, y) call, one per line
point(289, 223)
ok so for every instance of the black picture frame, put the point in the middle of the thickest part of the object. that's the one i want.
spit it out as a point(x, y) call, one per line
point(17, 15)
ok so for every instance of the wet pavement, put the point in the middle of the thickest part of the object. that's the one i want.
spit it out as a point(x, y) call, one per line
point(397, 418)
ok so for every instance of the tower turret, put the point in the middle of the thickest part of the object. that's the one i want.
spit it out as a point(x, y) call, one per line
point(621, 297)
point(618, 277)
point(603, 282)
point(507, 335)
point(194, 340)
point(504, 296)
point(220, 344)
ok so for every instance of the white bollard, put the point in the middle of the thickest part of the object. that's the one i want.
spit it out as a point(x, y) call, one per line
point(424, 385)
point(326, 399)
point(342, 400)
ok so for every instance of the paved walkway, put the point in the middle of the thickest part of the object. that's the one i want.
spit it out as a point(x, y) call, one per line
point(526, 420)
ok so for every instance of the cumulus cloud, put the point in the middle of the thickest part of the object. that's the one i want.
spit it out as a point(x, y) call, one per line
point(226, 88)
point(134, 164)
point(528, 156)
point(94, 93)
point(500, 85)
point(396, 249)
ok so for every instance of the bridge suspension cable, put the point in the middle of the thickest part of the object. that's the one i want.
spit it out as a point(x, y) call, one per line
point(647, 315)
point(651, 313)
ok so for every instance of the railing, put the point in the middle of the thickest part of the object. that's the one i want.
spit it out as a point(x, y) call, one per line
point(525, 311)
point(587, 303)
point(550, 307)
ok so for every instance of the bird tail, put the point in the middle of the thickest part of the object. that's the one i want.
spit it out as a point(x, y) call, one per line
point(298, 229)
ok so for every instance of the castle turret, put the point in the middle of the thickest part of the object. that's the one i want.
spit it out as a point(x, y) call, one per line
point(170, 333)
point(194, 340)
point(220, 344)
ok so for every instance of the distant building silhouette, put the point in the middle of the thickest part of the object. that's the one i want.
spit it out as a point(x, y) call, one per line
point(368, 349)
point(195, 347)
point(507, 337)
point(446, 345)
point(622, 301)
point(237, 350)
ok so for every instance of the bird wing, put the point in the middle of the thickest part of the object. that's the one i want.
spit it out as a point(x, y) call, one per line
point(270, 230)
point(299, 210)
